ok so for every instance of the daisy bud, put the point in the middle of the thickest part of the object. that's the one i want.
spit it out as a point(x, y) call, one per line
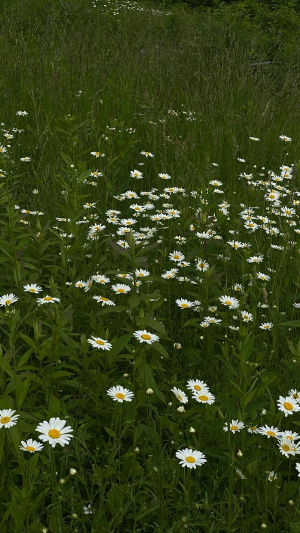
point(73, 472)
point(136, 450)
point(74, 515)
point(263, 526)
point(149, 391)
point(192, 430)
point(155, 469)
point(125, 375)
point(169, 404)
point(44, 530)
point(264, 412)
point(181, 409)
point(240, 453)
point(184, 519)
point(291, 503)
point(62, 481)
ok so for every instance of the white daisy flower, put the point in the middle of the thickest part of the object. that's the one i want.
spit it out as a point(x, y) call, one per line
point(266, 325)
point(120, 288)
point(269, 431)
point(176, 256)
point(247, 317)
point(33, 288)
point(145, 336)
point(190, 458)
point(103, 300)
point(204, 397)
point(232, 303)
point(184, 304)
point(272, 476)
point(202, 265)
point(234, 426)
point(7, 418)
point(8, 299)
point(47, 300)
point(55, 432)
point(31, 446)
point(80, 284)
point(180, 395)
point(120, 394)
point(288, 447)
point(102, 344)
point(196, 385)
point(100, 279)
point(291, 435)
point(288, 405)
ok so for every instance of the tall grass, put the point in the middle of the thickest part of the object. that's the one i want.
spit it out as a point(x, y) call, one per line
point(120, 80)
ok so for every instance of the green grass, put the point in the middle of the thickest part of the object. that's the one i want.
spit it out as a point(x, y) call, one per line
point(181, 85)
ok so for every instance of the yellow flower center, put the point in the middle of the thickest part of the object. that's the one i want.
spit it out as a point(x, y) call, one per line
point(146, 337)
point(54, 433)
point(31, 290)
point(271, 433)
point(228, 302)
point(233, 428)
point(121, 290)
point(289, 437)
point(179, 397)
point(203, 398)
point(197, 387)
point(176, 256)
point(30, 448)
point(295, 395)
point(288, 406)
point(5, 419)
point(190, 459)
point(120, 395)
point(104, 299)
point(7, 302)
point(184, 305)
point(48, 298)
point(101, 343)
point(285, 447)
point(253, 428)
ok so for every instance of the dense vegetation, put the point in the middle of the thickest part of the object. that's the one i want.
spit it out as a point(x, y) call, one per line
point(149, 238)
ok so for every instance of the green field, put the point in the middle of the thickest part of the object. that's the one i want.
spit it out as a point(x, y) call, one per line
point(149, 251)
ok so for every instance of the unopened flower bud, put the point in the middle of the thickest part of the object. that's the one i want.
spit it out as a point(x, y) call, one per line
point(62, 481)
point(149, 391)
point(73, 472)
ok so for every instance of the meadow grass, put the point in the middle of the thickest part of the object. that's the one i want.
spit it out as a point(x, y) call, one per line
point(149, 203)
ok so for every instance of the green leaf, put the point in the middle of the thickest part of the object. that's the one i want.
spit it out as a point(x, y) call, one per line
point(154, 324)
point(119, 344)
point(159, 348)
point(66, 159)
point(4, 364)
